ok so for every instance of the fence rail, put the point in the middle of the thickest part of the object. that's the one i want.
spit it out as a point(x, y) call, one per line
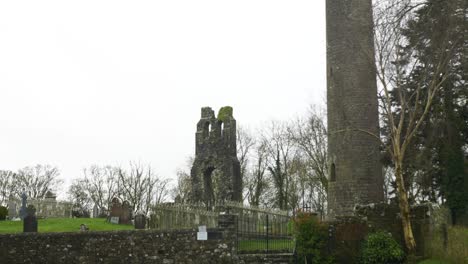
point(181, 216)
point(257, 230)
point(264, 232)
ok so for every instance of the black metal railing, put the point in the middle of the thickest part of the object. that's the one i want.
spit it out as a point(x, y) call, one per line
point(262, 232)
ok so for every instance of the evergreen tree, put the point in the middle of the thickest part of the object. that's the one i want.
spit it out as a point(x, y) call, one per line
point(436, 159)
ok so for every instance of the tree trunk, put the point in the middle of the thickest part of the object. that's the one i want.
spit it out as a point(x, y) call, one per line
point(404, 208)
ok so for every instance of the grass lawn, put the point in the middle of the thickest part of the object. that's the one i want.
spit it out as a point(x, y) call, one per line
point(261, 245)
point(63, 225)
point(433, 261)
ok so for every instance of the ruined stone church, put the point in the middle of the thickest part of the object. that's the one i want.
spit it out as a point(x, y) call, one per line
point(215, 173)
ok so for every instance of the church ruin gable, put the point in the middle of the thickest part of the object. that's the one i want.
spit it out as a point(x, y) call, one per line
point(215, 173)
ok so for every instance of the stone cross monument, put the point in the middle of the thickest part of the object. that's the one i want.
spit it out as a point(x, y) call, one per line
point(23, 211)
point(215, 173)
point(355, 172)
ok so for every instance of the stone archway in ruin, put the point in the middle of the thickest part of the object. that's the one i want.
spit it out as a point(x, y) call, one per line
point(215, 173)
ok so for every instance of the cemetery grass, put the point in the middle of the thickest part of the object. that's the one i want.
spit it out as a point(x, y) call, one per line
point(283, 245)
point(63, 225)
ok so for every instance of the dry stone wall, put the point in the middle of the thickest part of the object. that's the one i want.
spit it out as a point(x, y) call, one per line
point(136, 246)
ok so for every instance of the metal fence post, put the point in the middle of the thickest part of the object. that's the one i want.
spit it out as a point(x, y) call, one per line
point(267, 227)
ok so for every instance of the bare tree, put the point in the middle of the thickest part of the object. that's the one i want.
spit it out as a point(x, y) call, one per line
point(37, 180)
point(281, 151)
point(310, 136)
point(7, 185)
point(79, 196)
point(100, 184)
point(395, 70)
point(299, 182)
point(181, 192)
point(255, 182)
point(141, 187)
point(245, 143)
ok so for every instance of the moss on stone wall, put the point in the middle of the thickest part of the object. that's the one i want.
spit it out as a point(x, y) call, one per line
point(225, 113)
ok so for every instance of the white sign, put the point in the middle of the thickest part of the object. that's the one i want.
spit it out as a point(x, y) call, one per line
point(114, 220)
point(202, 235)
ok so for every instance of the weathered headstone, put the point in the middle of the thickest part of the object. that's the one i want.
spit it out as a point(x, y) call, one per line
point(116, 208)
point(12, 210)
point(126, 213)
point(140, 221)
point(30, 221)
point(95, 211)
point(23, 211)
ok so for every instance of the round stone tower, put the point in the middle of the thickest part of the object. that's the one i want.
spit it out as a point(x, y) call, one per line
point(355, 172)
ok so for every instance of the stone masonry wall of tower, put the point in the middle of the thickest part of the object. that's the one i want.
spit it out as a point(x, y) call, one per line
point(354, 155)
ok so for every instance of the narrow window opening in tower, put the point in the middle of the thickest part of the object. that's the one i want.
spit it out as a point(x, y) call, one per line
point(206, 130)
point(332, 172)
point(221, 128)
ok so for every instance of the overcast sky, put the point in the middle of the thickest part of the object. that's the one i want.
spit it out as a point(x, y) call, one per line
point(108, 82)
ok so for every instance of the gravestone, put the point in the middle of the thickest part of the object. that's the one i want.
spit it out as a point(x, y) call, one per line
point(140, 221)
point(95, 211)
point(30, 221)
point(122, 212)
point(116, 208)
point(23, 211)
point(126, 213)
point(12, 210)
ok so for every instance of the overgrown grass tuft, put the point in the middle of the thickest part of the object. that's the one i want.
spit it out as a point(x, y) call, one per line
point(457, 246)
point(63, 225)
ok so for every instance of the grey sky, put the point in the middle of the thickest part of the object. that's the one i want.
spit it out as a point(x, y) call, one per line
point(107, 82)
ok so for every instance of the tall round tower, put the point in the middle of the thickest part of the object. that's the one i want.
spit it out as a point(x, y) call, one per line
point(355, 172)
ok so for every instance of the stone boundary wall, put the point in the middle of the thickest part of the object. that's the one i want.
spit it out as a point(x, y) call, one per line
point(346, 234)
point(134, 246)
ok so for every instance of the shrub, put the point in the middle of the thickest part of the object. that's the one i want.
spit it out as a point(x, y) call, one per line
point(3, 212)
point(381, 248)
point(311, 239)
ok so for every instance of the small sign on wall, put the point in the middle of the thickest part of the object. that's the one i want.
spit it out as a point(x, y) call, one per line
point(114, 220)
point(202, 234)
